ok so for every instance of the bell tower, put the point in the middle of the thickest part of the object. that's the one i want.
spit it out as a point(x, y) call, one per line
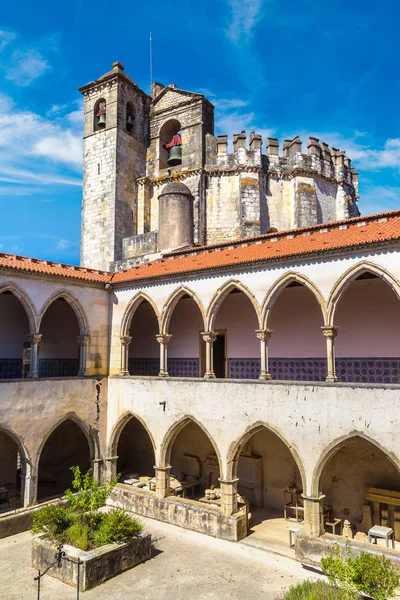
point(116, 134)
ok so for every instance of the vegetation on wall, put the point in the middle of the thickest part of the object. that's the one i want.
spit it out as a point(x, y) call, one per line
point(80, 523)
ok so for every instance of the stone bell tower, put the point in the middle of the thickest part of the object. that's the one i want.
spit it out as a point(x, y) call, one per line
point(116, 133)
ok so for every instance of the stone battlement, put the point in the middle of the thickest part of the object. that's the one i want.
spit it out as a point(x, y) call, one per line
point(321, 158)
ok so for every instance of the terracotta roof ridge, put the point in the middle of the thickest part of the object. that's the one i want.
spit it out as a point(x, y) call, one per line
point(283, 233)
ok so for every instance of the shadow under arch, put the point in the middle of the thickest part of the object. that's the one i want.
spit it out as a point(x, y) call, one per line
point(278, 287)
point(351, 275)
point(220, 296)
point(25, 461)
point(171, 303)
point(237, 446)
point(172, 434)
point(74, 304)
point(337, 445)
point(118, 428)
point(92, 440)
point(19, 443)
point(26, 302)
point(132, 307)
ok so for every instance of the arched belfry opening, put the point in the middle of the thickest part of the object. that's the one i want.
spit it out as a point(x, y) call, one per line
point(362, 485)
point(368, 319)
point(100, 115)
point(170, 144)
point(67, 446)
point(59, 346)
point(130, 117)
point(297, 347)
point(14, 345)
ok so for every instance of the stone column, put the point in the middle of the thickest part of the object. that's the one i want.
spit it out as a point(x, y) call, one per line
point(229, 496)
point(125, 341)
point(163, 339)
point(110, 467)
point(30, 488)
point(263, 335)
point(162, 481)
point(34, 340)
point(83, 342)
point(209, 337)
point(313, 516)
point(330, 333)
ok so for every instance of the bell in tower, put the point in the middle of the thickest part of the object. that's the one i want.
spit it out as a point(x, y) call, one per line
point(174, 148)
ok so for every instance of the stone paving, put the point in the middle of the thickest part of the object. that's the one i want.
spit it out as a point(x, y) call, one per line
point(185, 565)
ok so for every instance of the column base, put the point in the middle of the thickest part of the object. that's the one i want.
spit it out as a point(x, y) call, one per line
point(332, 378)
point(209, 375)
point(163, 374)
point(124, 373)
point(265, 376)
point(81, 373)
point(33, 375)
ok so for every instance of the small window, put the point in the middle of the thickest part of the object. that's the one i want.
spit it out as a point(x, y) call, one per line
point(130, 117)
point(100, 115)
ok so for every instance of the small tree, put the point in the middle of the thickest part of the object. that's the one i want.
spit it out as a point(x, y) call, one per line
point(367, 573)
point(87, 494)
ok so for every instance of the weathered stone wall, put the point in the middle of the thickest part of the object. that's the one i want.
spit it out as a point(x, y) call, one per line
point(181, 512)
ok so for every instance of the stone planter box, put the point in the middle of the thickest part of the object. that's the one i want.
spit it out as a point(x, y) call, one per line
point(98, 565)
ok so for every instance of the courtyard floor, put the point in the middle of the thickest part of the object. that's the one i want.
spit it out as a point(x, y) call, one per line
point(185, 565)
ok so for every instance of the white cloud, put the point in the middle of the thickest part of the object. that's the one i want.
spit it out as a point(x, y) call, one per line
point(63, 147)
point(245, 14)
point(5, 38)
point(24, 66)
point(65, 245)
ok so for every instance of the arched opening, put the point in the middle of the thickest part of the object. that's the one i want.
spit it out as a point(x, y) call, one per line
point(236, 350)
point(194, 462)
point(297, 347)
point(135, 452)
point(100, 115)
point(270, 484)
point(66, 447)
point(14, 328)
point(354, 479)
point(12, 473)
point(130, 117)
point(170, 144)
point(59, 348)
point(144, 350)
point(185, 327)
point(367, 345)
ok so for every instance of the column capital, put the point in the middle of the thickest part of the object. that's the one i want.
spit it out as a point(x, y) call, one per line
point(330, 332)
point(313, 498)
point(209, 336)
point(163, 469)
point(228, 481)
point(83, 340)
point(263, 334)
point(126, 340)
point(163, 338)
point(33, 338)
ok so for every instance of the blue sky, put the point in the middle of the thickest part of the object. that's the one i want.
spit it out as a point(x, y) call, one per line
point(281, 67)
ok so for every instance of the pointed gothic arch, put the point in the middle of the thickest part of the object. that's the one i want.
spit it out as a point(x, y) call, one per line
point(220, 296)
point(337, 445)
point(119, 426)
point(26, 302)
point(283, 282)
point(173, 432)
point(171, 303)
point(74, 304)
point(130, 310)
point(351, 275)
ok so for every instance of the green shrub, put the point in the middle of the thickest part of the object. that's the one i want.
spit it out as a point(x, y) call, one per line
point(368, 573)
point(78, 535)
point(317, 590)
point(51, 519)
point(87, 494)
point(116, 526)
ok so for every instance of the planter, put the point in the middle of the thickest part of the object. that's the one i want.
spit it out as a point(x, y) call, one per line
point(97, 565)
